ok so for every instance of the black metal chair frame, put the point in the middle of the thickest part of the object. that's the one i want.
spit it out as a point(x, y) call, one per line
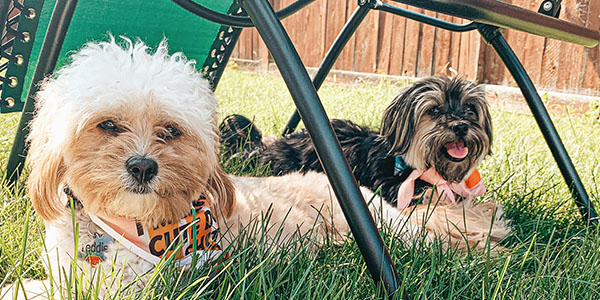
point(488, 16)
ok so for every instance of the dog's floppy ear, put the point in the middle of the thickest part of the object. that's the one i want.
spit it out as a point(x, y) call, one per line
point(222, 190)
point(50, 131)
point(47, 168)
point(45, 178)
point(397, 125)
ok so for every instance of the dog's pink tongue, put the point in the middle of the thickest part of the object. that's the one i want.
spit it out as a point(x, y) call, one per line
point(457, 150)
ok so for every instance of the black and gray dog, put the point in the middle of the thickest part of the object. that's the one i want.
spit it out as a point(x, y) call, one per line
point(435, 123)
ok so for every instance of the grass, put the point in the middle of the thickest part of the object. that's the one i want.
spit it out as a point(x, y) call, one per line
point(550, 255)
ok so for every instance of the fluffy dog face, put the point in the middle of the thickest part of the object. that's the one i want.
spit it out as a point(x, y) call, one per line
point(132, 134)
point(441, 123)
point(135, 162)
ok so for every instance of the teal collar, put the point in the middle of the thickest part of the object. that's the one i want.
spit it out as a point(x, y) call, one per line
point(399, 165)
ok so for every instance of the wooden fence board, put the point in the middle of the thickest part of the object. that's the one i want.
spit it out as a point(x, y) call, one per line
point(533, 47)
point(570, 61)
point(347, 56)
point(463, 52)
point(384, 42)
point(550, 59)
point(391, 44)
point(570, 67)
point(532, 58)
point(241, 44)
point(491, 67)
point(335, 20)
point(315, 32)
point(591, 75)
point(255, 45)
point(474, 49)
point(297, 26)
point(365, 47)
point(411, 46)
point(516, 41)
point(454, 55)
point(397, 43)
point(247, 38)
point(441, 55)
point(426, 45)
point(236, 50)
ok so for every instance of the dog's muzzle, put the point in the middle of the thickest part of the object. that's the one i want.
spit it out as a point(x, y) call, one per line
point(141, 168)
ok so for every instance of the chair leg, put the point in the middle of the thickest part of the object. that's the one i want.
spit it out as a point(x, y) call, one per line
point(53, 41)
point(328, 148)
point(493, 36)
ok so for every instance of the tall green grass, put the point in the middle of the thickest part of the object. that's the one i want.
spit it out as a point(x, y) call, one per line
point(550, 254)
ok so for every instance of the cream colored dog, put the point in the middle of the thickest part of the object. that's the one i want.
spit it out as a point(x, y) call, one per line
point(125, 143)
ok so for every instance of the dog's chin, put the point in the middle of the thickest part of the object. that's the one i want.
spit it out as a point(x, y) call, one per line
point(151, 207)
point(452, 170)
point(134, 204)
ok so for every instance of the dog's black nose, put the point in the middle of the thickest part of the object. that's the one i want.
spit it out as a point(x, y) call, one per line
point(460, 129)
point(141, 168)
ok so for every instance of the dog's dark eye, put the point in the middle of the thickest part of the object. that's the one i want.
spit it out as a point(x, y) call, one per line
point(173, 130)
point(470, 112)
point(434, 111)
point(170, 132)
point(109, 126)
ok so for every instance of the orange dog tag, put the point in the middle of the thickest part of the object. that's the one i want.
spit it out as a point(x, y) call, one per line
point(473, 180)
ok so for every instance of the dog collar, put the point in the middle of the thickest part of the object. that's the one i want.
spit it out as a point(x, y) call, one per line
point(196, 233)
point(471, 187)
point(399, 165)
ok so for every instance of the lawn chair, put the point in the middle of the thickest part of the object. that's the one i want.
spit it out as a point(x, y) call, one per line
point(212, 43)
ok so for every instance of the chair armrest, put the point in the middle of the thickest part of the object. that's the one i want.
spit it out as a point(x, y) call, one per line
point(510, 16)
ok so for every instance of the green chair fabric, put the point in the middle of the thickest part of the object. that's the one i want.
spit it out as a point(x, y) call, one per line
point(149, 20)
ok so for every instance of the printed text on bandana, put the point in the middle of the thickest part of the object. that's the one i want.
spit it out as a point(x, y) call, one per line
point(168, 236)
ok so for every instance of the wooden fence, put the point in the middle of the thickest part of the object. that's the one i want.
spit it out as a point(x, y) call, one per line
point(389, 44)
